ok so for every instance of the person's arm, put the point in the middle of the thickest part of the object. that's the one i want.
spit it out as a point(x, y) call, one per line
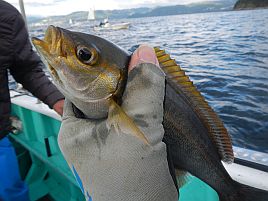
point(27, 66)
point(5, 124)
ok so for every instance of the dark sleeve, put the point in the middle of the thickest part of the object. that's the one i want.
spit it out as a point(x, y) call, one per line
point(5, 124)
point(27, 66)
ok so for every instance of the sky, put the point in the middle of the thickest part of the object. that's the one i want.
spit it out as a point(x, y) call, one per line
point(63, 7)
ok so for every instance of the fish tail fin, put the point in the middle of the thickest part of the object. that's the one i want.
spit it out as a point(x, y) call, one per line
point(246, 193)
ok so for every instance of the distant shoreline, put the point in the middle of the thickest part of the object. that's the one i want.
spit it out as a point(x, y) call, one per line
point(250, 4)
point(82, 15)
point(204, 7)
point(257, 8)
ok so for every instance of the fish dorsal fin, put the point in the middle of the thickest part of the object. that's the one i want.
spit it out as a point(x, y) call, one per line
point(209, 118)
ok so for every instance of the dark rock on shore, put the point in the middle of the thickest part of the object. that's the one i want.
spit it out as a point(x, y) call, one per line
point(250, 4)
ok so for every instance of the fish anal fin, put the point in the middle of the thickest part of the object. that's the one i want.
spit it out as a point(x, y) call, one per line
point(205, 113)
point(118, 118)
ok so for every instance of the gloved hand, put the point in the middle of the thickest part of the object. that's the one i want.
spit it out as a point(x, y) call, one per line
point(110, 164)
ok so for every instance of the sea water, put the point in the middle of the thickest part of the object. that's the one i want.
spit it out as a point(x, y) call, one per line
point(224, 53)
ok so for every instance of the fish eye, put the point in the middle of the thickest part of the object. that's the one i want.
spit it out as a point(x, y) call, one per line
point(86, 55)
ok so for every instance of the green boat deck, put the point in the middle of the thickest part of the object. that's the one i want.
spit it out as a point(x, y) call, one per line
point(47, 174)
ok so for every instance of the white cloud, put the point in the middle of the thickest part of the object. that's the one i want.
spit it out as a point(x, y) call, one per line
point(62, 7)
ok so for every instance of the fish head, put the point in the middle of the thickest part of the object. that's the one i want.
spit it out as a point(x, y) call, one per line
point(87, 69)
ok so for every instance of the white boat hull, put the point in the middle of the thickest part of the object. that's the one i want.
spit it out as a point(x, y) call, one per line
point(112, 26)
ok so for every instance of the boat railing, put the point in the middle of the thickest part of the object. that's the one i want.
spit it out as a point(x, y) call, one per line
point(48, 169)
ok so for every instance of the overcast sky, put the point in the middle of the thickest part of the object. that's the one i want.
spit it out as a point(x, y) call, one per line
point(63, 7)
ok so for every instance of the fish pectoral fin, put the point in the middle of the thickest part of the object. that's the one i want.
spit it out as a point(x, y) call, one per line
point(182, 177)
point(122, 123)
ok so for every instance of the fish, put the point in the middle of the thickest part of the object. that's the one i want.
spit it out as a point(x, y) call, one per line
point(92, 73)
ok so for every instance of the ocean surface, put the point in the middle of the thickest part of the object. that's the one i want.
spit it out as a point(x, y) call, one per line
point(224, 53)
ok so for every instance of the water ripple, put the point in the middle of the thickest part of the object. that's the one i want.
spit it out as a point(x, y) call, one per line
point(226, 56)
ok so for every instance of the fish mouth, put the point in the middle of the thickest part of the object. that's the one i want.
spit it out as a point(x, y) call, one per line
point(50, 47)
point(51, 43)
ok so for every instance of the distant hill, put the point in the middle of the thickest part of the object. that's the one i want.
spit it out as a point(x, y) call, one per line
point(250, 4)
point(33, 19)
point(100, 14)
point(209, 6)
point(201, 7)
point(112, 14)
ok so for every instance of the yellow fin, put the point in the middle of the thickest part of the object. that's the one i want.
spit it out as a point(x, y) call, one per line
point(170, 62)
point(163, 58)
point(171, 69)
point(182, 177)
point(122, 122)
point(160, 53)
point(176, 75)
point(206, 114)
point(184, 81)
point(156, 49)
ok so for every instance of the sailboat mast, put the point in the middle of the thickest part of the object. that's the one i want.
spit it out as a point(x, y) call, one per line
point(22, 10)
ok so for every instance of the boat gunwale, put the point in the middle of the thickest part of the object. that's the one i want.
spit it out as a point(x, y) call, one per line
point(251, 159)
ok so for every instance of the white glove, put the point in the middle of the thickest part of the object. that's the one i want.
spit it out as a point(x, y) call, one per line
point(111, 163)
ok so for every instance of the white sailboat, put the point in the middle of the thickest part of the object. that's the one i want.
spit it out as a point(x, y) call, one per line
point(91, 14)
point(70, 21)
